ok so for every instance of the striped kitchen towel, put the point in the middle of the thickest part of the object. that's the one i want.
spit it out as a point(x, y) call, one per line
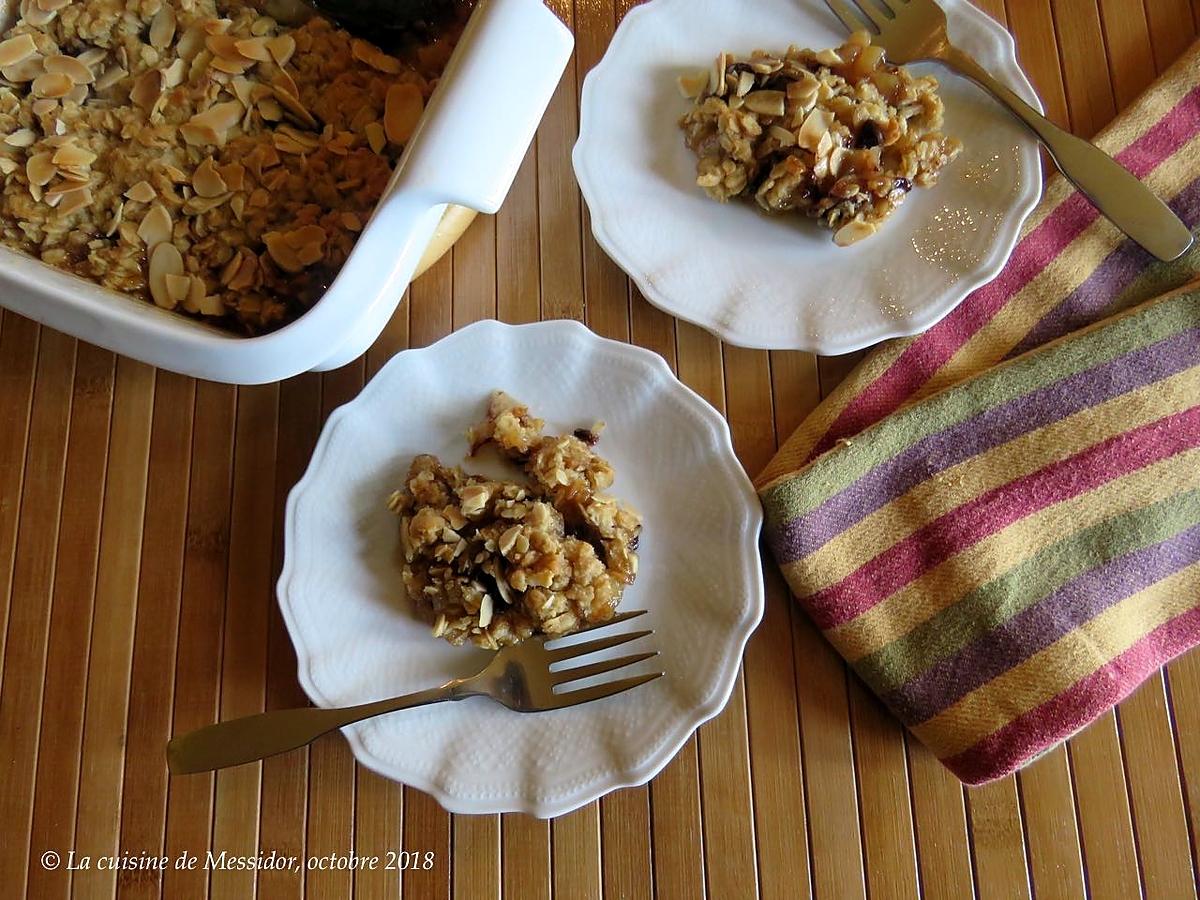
point(998, 522)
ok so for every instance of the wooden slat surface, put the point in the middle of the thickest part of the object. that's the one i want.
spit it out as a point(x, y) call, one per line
point(140, 539)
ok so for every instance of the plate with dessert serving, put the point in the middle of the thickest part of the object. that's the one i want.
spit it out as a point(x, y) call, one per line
point(515, 483)
point(763, 174)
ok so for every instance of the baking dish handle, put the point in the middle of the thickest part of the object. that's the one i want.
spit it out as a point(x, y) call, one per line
point(465, 151)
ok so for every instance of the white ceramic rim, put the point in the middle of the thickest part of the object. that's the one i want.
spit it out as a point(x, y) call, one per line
point(730, 665)
point(1008, 229)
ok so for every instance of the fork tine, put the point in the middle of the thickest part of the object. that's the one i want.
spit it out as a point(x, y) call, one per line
point(619, 617)
point(847, 18)
point(565, 676)
point(600, 691)
point(878, 19)
point(592, 646)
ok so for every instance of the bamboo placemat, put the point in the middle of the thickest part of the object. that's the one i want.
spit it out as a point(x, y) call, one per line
point(139, 543)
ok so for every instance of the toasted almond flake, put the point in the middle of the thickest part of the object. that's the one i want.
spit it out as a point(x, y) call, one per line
point(63, 187)
point(692, 86)
point(174, 74)
point(312, 142)
point(196, 293)
point(207, 181)
point(196, 136)
point(39, 169)
point(71, 67)
point(22, 137)
point(26, 70)
point(281, 47)
point(219, 116)
point(285, 144)
point(745, 83)
point(211, 306)
point(53, 5)
point(815, 126)
point(259, 198)
point(155, 227)
point(73, 155)
point(111, 76)
point(238, 205)
point(254, 48)
point(282, 252)
point(247, 272)
point(351, 222)
point(162, 27)
point(230, 66)
point(147, 89)
point(766, 103)
point(230, 269)
point(78, 94)
point(401, 112)
point(262, 25)
point(243, 89)
point(60, 127)
point(16, 49)
point(485, 611)
point(853, 232)
point(786, 138)
point(75, 173)
point(165, 259)
point(118, 215)
point(93, 57)
point(295, 107)
point(7, 165)
point(310, 254)
point(51, 84)
point(376, 137)
point(36, 16)
point(270, 109)
point(178, 287)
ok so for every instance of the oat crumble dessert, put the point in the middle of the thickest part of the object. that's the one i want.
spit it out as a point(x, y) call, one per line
point(839, 135)
point(496, 562)
point(197, 153)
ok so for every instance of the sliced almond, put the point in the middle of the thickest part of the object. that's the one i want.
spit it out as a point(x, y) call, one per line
point(230, 66)
point(219, 116)
point(175, 73)
point(16, 49)
point(351, 222)
point(92, 58)
point(147, 89)
point(25, 70)
point(74, 200)
point(155, 227)
point(118, 215)
point(269, 109)
point(179, 287)
point(243, 89)
point(22, 137)
point(401, 112)
point(207, 181)
point(786, 138)
point(78, 94)
point(216, 26)
point(111, 76)
point(162, 27)
point(376, 137)
point(196, 295)
point(36, 16)
point(165, 260)
point(254, 48)
point(853, 232)
point(815, 127)
point(223, 45)
point(766, 103)
point(247, 274)
point(282, 252)
point(230, 269)
point(237, 204)
point(51, 84)
point(39, 169)
point(53, 5)
point(71, 67)
point(210, 306)
point(73, 155)
point(745, 83)
point(64, 187)
point(8, 165)
point(198, 136)
point(281, 47)
point(295, 107)
point(262, 26)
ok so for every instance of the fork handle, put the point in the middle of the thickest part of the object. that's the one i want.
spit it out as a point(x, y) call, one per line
point(1117, 193)
point(266, 734)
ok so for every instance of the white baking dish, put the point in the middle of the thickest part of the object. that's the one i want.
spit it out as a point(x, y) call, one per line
point(466, 151)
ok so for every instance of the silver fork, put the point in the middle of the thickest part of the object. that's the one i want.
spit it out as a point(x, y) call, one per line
point(518, 677)
point(915, 31)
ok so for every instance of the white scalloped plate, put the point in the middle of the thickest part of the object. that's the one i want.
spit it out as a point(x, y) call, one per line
point(700, 575)
point(781, 283)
